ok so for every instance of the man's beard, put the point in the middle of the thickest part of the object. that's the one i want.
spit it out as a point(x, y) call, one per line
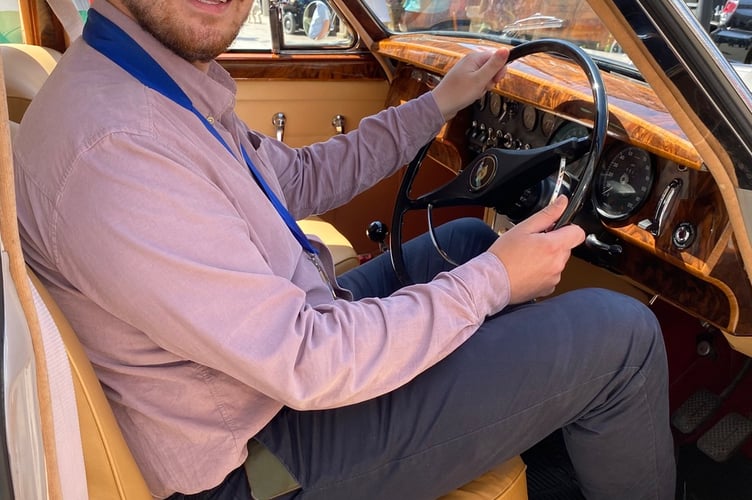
point(191, 46)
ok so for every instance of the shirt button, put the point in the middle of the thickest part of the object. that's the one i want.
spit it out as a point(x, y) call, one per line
point(210, 119)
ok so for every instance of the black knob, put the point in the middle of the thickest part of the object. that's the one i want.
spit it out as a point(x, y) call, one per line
point(377, 231)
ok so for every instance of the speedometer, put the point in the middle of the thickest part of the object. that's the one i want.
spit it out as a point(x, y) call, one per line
point(623, 183)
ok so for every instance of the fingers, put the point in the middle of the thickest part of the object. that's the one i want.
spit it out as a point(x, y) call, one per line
point(543, 220)
point(469, 79)
point(489, 66)
point(494, 68)
point(569, 236)
point(538, 276)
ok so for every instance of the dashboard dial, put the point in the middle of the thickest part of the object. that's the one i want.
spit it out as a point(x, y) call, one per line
point(529, 117)
point(494, 104)
point(623, 183)
point(548, 122)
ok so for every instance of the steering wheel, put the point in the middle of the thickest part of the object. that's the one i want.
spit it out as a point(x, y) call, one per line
point(496, 175)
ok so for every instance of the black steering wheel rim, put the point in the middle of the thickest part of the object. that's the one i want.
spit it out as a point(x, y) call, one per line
point(597, 141)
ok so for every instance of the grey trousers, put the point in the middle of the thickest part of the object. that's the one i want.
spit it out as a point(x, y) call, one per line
point(590, 362)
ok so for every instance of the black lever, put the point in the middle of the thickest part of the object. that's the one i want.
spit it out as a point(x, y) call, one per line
point(377, 232)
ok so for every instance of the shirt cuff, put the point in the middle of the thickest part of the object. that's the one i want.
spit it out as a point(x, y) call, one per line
point(487, 280)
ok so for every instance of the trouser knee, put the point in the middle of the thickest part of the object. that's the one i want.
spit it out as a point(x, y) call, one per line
point(637, 326)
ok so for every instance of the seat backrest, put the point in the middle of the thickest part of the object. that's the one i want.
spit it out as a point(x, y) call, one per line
point(27, 68)
point(111, 471)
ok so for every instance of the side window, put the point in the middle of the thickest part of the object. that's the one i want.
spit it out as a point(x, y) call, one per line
point(10, 22)
point(303, 24)
point(255, 34)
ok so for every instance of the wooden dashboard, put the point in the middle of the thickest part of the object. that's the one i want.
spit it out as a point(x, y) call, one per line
point(691, 261)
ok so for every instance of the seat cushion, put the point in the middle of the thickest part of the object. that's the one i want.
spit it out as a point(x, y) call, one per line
point(343, 253)
point(505, 482)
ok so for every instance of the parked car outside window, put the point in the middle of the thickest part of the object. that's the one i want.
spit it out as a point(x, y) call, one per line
point(734, 36)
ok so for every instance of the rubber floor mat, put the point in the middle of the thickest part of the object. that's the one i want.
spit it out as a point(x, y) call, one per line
point(701, 478)
point(550, 475)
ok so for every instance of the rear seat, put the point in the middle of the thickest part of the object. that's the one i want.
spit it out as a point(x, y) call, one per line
point(26, 69)
point(111, 471)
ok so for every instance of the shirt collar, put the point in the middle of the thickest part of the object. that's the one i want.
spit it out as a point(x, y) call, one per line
point(212, 93)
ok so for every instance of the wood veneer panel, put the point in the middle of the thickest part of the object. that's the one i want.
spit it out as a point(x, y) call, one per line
point(303, 67)
point(557, 85)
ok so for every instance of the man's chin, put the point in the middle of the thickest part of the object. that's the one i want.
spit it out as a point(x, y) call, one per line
point(198, 53)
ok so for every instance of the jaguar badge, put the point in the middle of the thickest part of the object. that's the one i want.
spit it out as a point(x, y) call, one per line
point(483, 173)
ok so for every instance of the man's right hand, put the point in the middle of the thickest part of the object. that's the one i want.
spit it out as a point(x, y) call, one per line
point(469, 79)
point(535, 259)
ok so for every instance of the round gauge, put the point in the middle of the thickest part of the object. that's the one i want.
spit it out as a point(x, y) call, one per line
point(494, 104)
point(548, 123)
point(529, 117)
point(567, 131)
point(623, 182)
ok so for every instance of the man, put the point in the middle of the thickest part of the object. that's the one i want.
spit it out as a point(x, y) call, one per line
point(320, 21)
point(161, 226)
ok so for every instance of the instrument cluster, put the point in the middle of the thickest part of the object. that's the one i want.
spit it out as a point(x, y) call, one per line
point(624, 178)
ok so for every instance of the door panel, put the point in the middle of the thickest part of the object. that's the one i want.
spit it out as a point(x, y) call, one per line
point(309, 106)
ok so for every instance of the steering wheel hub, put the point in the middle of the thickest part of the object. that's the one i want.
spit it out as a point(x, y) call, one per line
point(483, 173)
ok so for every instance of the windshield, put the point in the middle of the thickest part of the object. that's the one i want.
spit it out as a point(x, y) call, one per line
point(517, 21)
point(511, 21)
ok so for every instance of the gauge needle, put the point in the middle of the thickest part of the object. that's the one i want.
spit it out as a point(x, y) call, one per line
point(620, 188)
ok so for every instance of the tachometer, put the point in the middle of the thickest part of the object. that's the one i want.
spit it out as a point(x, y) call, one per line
point(623, 182)
point(537, 196)
point(567, 131)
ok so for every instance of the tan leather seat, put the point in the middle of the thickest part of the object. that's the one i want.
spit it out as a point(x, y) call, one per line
point(111, 471)
point(13, 130)
point(505, 482)
point(343, 253)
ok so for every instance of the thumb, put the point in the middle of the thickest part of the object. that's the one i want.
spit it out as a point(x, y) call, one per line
point(543, 220)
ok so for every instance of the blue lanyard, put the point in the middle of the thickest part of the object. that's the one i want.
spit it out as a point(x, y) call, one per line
point(114, 43)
